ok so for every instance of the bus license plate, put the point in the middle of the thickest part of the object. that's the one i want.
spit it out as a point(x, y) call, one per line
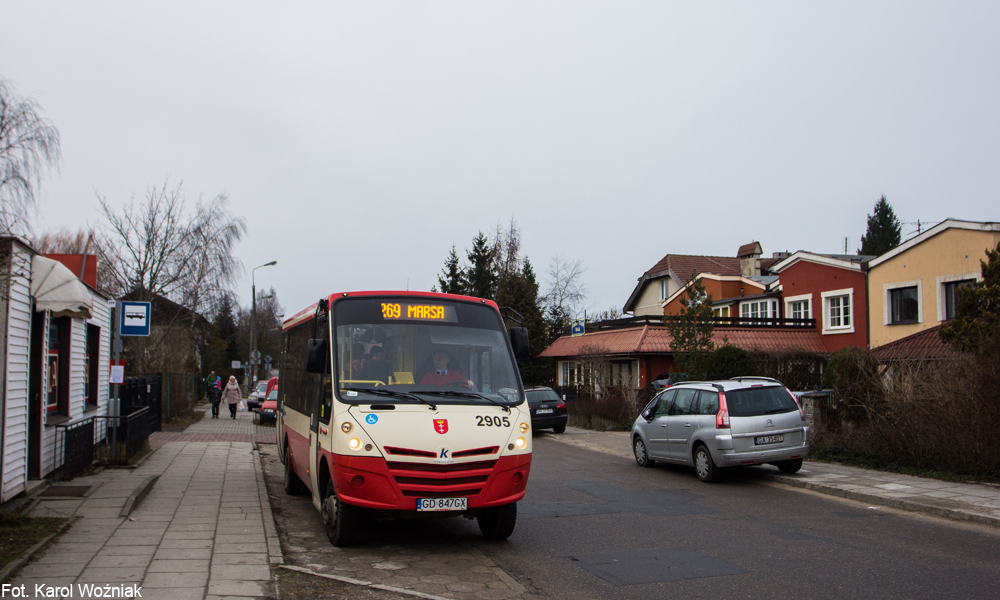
point(768, 439)
point(442, 503)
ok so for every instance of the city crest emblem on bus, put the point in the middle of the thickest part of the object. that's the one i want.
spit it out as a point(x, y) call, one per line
point(441, 426)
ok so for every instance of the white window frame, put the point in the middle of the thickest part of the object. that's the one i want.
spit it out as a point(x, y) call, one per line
point(664, 289)
point(887, 300)
point(942, 303)
point(807, 298)
point(825, 299)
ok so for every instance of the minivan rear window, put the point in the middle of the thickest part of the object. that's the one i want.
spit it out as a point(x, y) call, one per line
point(756, 401)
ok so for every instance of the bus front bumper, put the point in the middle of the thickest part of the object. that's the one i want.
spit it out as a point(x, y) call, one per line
point(371, 482)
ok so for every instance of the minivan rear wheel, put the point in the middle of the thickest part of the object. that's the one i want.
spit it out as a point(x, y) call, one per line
point(704, 467)
point(789, 466)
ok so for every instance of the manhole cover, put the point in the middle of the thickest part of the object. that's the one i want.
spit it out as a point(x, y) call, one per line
point(66, 491)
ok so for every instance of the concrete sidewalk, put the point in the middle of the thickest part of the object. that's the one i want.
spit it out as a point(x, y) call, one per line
point(960, 501)
point(205, 530)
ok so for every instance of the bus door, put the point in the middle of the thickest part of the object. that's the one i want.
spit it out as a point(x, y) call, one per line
point(319, 417)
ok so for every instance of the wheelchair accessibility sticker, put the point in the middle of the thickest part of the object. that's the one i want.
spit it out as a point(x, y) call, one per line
point(371, 419)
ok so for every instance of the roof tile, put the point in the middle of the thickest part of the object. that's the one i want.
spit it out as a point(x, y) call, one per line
point(923, 345)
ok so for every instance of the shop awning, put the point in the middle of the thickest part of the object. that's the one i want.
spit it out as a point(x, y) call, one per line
point(56, 288)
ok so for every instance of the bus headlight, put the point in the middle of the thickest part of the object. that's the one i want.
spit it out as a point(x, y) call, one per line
point(346, 427)
point(524, 428)
point(520, 443)
point(354, 443)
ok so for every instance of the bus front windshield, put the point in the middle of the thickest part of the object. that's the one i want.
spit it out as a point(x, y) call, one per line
point(416, 350)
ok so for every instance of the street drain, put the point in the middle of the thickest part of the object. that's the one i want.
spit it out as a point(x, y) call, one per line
point(66, 491)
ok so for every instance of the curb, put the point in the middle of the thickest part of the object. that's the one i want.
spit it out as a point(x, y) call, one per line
point(369, 584)
point(30, 552)
point(137, 496)
point(900, 503)
point(270, 530)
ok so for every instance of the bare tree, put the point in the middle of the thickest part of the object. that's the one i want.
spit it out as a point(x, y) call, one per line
point(212, 268)
point(147, 247)
point(565, 291)
point(29, 146)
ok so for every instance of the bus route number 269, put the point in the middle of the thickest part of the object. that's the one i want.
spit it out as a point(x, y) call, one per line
point(489, 421)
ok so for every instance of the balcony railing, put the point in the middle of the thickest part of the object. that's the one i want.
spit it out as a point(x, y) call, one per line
point(756, 322)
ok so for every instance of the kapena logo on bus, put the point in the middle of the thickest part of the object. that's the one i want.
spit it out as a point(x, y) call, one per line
point(441, 426)
point(443, 455)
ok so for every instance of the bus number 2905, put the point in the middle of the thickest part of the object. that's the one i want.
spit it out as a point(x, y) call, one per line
point(489, 421)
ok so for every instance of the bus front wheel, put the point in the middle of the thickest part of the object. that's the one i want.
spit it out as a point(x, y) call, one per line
point(497, 523)
point(341, 519)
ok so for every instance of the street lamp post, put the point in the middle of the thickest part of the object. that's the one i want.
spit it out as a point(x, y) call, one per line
point(253, 324)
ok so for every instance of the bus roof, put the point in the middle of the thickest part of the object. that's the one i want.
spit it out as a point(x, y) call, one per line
point(309, 312)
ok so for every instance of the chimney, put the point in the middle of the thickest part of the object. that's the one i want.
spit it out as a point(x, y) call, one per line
point(749, 255)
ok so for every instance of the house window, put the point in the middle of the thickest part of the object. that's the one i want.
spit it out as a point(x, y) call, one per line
point(838, 311)
point(761, 309)
point(722, 311)
point(663, 290)
point(951, 296)
point(91, 363)
point(799, 309)
point(52, 355)
point(904, 305)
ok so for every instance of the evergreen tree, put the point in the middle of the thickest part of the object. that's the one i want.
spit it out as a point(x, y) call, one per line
point(519, 290)
point(883, 230)
point(225, 330)
point(480, 278)
point(692, 331)
point(452, 277)
point(977, 311)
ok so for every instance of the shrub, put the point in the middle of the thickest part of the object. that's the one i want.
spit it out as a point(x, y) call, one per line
point(729, 361)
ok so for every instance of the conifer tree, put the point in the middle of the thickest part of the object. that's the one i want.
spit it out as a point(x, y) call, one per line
point(977, 311)
point(480, 279)
point(692, 330)
point(452, 277)
point(883, 232)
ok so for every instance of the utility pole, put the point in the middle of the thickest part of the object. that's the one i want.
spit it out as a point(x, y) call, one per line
point(254, 355)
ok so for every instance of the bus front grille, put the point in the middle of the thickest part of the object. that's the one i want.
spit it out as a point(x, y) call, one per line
point(441, 481)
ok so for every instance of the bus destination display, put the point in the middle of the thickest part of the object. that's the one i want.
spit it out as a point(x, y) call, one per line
point(418, 312)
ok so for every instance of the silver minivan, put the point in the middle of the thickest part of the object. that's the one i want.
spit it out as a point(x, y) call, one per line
point(716, 424)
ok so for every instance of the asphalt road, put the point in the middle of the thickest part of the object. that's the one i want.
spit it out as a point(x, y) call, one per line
point(597, 526)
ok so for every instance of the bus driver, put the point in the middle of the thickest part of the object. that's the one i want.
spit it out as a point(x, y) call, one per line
point(441, 375)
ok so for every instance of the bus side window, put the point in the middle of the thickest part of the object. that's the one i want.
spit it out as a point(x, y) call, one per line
point(326, 402)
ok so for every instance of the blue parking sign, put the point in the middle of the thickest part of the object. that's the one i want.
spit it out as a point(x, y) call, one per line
point(134, 319)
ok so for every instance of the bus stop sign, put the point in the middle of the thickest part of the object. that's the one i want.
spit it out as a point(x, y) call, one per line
point(134, 319)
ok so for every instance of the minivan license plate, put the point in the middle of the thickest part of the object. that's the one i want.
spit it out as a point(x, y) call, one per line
point(768, 439)
point(442, 503)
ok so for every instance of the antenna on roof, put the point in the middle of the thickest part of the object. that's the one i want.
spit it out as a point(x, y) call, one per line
point(920, 226)
point(846, 242)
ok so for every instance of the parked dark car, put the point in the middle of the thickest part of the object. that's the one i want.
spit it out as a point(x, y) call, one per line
point(665, 380)
point(268, 412)
point(547, 409)
point(256, 397)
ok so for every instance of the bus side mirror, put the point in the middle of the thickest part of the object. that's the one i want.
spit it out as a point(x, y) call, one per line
point(316, 356)
point(519, 341)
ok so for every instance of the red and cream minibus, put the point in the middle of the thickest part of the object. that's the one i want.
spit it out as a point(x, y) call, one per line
point(404, 404)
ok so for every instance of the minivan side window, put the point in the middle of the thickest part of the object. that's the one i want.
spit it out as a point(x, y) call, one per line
point(708, 403)
point(685, 402)
point(663, 406)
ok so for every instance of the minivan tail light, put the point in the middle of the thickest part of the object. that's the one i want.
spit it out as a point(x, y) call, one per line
point(722, 417)
point(802, 412)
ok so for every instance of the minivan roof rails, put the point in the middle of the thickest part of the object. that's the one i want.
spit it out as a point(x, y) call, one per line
point(755, 378)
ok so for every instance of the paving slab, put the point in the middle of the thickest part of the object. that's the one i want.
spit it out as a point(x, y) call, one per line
point(207, 509)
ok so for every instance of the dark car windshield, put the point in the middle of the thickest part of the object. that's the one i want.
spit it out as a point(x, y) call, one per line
point(542, 396)
point(757, 401)
point(273, 395)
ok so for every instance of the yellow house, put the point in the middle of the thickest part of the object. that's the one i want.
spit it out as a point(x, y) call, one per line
point(913, 286)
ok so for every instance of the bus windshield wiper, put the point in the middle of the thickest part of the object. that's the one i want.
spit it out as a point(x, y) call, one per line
point(462, 395)
point(392, 393)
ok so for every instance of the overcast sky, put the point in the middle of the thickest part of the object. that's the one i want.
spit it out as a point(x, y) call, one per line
point(362, 140)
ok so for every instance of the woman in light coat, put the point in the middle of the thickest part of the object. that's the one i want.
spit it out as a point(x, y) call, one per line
point(232, 395)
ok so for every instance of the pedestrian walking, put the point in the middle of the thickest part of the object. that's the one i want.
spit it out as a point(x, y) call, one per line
point(215, 396)
point(232, 395)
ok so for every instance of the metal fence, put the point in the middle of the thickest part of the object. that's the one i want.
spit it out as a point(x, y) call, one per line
point(125, 437)
point(74, 447)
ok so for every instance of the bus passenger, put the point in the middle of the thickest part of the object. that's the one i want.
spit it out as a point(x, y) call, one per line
point(442, 375)
point(376, 368)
